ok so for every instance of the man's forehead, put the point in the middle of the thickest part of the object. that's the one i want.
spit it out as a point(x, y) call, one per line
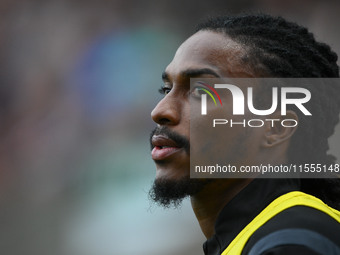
point(210, 40)
point(210, 50)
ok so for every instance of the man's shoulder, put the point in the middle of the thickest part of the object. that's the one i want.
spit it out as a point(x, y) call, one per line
point(300, 228)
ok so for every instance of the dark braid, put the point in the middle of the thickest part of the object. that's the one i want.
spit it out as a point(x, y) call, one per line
point(278, 48)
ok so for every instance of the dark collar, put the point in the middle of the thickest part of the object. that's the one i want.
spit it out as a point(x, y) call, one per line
point(244, 207)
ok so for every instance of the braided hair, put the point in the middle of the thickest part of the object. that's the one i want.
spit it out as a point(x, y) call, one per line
point(278, 48)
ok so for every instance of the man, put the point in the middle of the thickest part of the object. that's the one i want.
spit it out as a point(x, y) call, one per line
point(252, 216)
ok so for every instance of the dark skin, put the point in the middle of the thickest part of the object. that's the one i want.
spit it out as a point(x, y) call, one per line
point(209, 54)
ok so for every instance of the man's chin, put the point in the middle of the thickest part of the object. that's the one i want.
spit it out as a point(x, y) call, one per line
point(170, 193)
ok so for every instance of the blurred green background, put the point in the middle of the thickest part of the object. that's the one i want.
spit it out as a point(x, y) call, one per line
point(78, 82)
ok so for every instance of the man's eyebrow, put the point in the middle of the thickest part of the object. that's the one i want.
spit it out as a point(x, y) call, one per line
point(165, 76)
point(197, 72)
point(191, 73)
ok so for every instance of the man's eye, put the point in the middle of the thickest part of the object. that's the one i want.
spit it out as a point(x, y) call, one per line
point(164, 90)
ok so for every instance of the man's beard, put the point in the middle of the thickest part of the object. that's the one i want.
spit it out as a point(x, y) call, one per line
point(170, 193)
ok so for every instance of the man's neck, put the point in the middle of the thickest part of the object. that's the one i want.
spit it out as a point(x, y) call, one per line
point(208, 203)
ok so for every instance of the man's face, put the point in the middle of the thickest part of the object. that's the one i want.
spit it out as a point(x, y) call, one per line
point(206, 54)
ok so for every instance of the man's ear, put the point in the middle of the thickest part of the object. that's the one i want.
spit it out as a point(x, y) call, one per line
point(275, 132)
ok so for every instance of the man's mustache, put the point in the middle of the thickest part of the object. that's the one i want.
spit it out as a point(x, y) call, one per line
point(180, 140)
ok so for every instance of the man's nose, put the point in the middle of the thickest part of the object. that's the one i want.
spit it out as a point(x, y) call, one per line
point(167, 111)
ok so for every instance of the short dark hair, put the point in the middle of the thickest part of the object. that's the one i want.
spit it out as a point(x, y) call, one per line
point(276, 47)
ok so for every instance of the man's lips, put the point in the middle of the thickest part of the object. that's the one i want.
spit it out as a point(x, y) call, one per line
point(163, 147)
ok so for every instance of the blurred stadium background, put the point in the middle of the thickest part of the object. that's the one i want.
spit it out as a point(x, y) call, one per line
point(78, 82)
